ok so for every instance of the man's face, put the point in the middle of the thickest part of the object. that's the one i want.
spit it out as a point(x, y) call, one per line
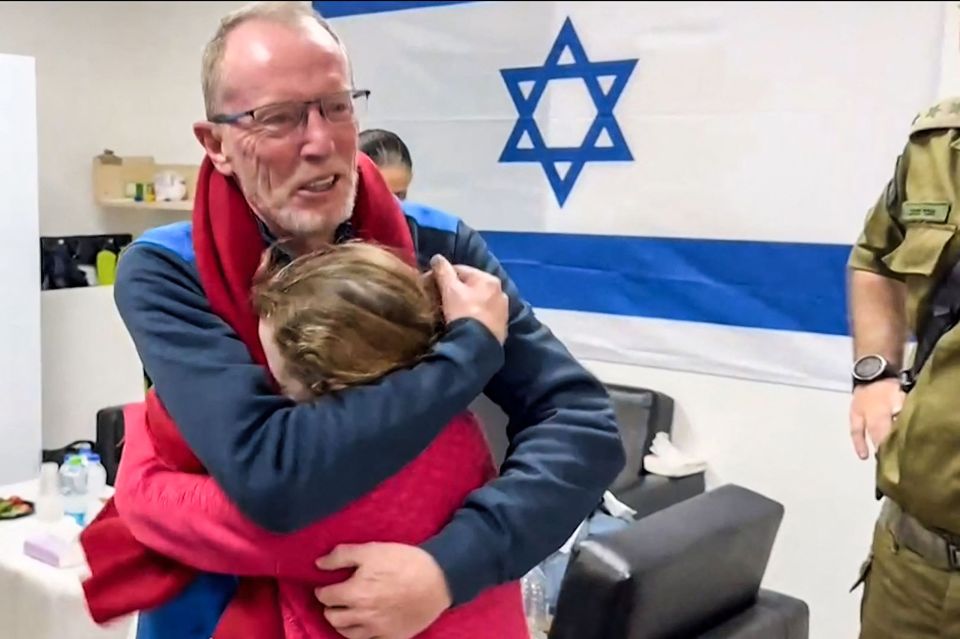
point(302, 184)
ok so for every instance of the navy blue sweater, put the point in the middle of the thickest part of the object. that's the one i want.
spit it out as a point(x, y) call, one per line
point(287, 465)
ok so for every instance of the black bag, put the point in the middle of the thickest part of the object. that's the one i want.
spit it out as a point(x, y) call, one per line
point(110, 429)
point(61, 258)
point(58, 455)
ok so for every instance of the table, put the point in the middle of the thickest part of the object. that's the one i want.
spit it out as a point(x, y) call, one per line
point(38, 601)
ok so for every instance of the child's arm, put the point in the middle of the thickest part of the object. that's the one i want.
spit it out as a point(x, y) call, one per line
point(188, 518)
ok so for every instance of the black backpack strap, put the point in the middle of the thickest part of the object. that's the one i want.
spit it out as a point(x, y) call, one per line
point(944, 314)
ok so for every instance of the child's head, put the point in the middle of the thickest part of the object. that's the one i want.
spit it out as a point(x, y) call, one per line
point(340, 317)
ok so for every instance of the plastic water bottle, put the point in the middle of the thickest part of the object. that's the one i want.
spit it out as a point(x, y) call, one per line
point(534, 585)
point(73, 487)
point(96, 484)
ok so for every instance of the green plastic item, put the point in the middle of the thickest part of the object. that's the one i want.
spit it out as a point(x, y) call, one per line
point(106, 267)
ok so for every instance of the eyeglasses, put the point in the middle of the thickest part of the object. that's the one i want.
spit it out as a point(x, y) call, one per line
point(282, 118)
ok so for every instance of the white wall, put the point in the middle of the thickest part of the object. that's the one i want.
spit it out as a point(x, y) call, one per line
point(949, 84)
point(791, 445)
point(124, 76)
point(19, 264)
point(89, 362)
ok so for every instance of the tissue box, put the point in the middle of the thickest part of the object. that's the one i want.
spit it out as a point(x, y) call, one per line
point(56, 545)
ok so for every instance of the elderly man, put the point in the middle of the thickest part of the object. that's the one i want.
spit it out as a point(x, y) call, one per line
point(281, 123)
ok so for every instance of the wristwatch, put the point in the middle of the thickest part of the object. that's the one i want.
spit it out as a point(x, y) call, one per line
point(871, 368)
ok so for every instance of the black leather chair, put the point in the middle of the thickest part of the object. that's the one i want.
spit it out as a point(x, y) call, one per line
point(641, 414)
point(690, 571)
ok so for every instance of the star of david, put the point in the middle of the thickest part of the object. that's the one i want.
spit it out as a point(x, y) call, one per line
point(593, 148)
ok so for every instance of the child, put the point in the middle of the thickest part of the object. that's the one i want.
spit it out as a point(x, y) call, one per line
point(342, 317)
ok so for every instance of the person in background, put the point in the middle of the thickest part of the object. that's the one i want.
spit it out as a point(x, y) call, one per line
point(392, 156)
point(904, 259)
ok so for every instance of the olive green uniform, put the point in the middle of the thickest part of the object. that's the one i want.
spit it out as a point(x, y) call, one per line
point(912, 234)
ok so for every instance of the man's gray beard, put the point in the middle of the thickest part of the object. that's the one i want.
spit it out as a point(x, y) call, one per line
point(327, 228)
point(310, 233)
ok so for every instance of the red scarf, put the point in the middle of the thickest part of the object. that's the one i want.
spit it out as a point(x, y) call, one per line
point(125, 575)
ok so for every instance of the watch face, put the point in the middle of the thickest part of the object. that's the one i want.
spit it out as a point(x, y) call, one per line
point(869, 367)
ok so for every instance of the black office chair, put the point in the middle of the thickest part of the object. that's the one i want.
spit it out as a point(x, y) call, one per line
point(641, 414)
point(690, 571)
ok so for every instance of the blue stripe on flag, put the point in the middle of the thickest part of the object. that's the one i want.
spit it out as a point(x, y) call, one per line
point(340, 9)
point(771, 285)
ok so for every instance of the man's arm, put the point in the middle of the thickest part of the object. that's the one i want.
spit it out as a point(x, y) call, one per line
point(879, 327)
point(565, 451)
point(877, 311)
point(286, 465)
point(877, 315)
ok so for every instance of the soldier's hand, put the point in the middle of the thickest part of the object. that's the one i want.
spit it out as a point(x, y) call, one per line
point(470, 292)
point(874, 408)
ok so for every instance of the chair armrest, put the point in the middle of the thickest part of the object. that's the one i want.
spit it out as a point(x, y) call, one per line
point(649, 493)
point(773, 615)
point(679, 572)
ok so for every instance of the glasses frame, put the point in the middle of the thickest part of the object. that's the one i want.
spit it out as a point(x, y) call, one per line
point(234, 118)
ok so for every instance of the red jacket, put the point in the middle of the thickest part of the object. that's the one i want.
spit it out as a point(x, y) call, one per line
point(188, 518)
point(127, 575)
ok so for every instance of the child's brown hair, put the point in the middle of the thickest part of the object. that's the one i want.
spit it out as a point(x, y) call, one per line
point(346, 315)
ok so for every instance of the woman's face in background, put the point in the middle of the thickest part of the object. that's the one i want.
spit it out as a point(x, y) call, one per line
point(398, 178)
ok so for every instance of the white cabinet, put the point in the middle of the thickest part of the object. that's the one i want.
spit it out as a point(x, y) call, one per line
point(20, 395)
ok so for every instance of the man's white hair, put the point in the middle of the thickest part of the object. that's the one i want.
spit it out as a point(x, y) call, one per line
point(294, 14)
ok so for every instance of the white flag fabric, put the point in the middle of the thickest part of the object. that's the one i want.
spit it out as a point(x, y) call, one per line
point(671, 184)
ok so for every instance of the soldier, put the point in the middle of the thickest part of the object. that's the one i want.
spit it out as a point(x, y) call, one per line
point(902, 278)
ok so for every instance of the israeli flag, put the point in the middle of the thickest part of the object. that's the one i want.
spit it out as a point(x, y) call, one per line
point(671, 184)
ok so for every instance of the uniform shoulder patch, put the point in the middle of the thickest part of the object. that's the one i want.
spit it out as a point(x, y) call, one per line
point(942, 115)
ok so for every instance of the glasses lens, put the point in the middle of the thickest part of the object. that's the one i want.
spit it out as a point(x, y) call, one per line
point(339, 107)
point(279, 118)
point(360, 102)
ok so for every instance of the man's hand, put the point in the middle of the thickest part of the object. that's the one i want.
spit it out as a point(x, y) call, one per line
point(396, 592)
point(872, 412)
point(469, 292)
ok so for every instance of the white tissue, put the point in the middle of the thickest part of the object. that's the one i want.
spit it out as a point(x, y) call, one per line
point(617, 508)
point(666, 460)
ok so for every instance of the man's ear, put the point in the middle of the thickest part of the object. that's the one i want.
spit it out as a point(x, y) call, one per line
point(208, 134)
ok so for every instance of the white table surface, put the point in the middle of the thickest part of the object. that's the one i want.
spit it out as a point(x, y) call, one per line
point(39, 601)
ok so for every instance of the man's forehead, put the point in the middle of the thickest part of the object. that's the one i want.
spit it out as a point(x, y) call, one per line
point(268, 61)
point(262, 45)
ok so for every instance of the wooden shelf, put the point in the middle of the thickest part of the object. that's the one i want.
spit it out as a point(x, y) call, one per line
point(121, 203)
point(110, 180)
